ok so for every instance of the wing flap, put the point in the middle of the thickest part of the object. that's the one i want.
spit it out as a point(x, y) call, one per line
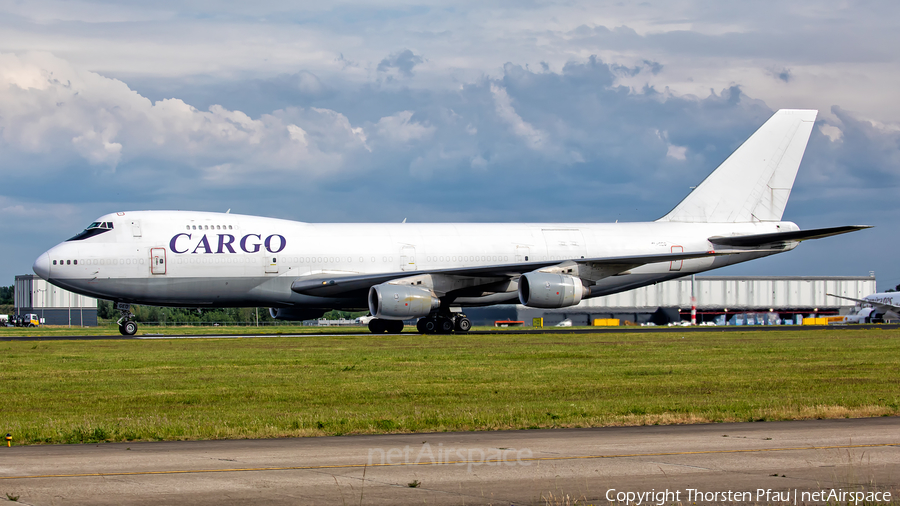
point(331, 285)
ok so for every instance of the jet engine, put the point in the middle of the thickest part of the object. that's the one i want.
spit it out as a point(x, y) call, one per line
point(546, 290)
point(295, 313)
point(398, 302)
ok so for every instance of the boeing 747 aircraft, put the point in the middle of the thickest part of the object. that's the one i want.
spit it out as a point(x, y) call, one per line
point(429, 272)
point(873, 308)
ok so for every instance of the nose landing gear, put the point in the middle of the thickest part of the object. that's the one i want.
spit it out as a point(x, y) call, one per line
point(127, 325)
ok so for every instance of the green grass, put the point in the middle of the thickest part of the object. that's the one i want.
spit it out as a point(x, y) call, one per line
point(87, 391)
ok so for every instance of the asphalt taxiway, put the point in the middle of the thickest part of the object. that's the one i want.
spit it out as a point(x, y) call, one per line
point(527, 330)
point(592, 466)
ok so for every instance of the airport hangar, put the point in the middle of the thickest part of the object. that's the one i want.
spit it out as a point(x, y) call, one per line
point(52, 304)
point(715, 296)
point(660, 303)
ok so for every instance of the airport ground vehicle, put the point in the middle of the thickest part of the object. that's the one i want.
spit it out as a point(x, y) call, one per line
point(26, 320)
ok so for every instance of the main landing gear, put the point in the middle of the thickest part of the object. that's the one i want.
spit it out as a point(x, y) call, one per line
point(127, 325)
point(443, 323)
point(435, 323)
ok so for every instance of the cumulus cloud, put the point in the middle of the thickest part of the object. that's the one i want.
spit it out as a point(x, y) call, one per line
point(533, 137)
point(48, 107)
point(782, 74)
point(400, 128)
point(314, 147)
point(401, 63)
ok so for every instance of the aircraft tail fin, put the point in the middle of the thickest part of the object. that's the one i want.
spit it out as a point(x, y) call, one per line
point(754, 183)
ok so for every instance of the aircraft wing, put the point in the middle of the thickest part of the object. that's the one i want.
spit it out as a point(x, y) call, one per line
point(880, 305)
point(759, 240)
point(332, 285)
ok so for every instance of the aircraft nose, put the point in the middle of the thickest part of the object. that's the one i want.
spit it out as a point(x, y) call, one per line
point(41, 266)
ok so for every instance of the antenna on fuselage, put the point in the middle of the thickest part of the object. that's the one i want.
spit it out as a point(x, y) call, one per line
point(228, 211)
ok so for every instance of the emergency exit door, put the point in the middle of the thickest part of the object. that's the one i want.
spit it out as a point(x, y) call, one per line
point(408, 258)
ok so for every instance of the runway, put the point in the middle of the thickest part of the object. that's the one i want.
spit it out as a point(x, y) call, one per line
point(592, 466)
point(143, 334)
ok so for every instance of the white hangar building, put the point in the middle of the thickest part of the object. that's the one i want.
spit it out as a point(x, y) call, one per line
point(756, 293)
point(52, 304)
point(715, 295)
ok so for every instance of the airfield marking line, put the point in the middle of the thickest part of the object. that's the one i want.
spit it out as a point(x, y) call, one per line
point(448, 462)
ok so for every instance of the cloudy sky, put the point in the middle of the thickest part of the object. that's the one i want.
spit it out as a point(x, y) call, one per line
point(442, 111)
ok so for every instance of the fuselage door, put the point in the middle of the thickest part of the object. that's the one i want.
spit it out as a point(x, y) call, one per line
point(408, 258)
point(136, 228)
point(677, 264)
point(522, 253)
point(271, 260)
point(157, 260)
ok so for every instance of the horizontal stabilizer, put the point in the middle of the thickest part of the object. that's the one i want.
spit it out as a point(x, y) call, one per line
point(755, 240)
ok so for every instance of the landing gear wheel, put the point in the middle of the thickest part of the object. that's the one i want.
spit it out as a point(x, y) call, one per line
point(128, 328)
point(127, 325)
point(420, 325)
point(430, 326)
point(394, 326)
point(376, 326)
point(463, 324)
point(446, 325)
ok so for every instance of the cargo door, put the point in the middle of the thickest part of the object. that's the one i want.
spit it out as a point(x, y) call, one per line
point(408, 258)
point(677, 264)
point(157, 260)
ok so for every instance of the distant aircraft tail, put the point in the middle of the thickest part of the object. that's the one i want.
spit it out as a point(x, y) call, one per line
point(754, 183)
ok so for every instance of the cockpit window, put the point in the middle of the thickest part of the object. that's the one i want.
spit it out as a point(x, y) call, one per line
point(95, 228)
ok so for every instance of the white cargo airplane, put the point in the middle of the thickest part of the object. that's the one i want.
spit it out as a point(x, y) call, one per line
point(874, 308)
point(403, 271)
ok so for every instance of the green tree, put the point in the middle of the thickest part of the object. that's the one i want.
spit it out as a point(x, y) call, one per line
point(7, 294)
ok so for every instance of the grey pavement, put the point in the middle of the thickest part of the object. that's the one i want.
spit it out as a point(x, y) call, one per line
point(546, 467)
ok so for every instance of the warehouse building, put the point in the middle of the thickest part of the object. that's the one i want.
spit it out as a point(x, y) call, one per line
point(716, 298)
point(52, 304)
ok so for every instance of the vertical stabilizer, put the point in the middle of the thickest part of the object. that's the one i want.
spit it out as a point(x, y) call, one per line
point(754, 183)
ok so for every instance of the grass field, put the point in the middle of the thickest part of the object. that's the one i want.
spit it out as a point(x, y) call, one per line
point(114, 390)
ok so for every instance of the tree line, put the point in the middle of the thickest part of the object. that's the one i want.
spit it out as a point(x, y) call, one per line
point(172, 315)
point(225, 316)
point(6, 295)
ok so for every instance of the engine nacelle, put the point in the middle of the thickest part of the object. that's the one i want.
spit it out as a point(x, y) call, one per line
point(295, 313)
point(399, 302)
point(546, 290)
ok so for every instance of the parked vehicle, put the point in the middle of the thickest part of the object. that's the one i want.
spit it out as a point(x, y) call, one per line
point(27, 320)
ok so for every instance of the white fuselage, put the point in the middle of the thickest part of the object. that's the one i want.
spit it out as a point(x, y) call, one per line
point(182, 258)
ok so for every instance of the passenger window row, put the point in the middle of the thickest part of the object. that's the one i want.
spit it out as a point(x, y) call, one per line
point(208, 227)
point(102, 261)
